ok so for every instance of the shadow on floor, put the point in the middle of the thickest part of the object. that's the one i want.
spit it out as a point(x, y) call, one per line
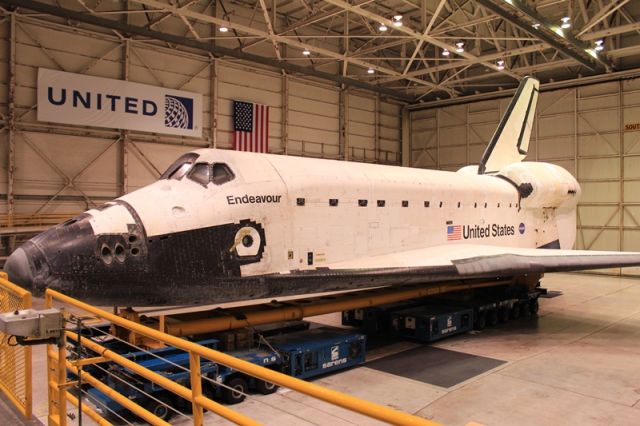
point(435, 366)
point(10, 416)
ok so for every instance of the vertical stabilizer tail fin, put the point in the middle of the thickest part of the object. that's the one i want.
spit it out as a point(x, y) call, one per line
point(510, 143)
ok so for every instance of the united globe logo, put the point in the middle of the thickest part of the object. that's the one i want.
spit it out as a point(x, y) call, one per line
point(178, 112)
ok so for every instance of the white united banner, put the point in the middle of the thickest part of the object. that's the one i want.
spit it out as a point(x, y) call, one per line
point(84, 100)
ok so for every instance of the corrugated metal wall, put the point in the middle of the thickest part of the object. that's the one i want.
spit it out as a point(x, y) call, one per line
point(591, 131)
point(66, 169)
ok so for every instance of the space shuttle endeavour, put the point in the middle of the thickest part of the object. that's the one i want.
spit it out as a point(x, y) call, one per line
point(222, 225)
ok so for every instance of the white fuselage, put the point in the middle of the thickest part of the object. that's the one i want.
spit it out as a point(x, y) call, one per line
point(406, 209)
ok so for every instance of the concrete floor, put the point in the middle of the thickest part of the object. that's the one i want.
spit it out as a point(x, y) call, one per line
point(577, 363)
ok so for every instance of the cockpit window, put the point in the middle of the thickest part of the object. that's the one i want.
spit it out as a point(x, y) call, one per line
point(180, 167)
point(180, 171)
point(200, 173)
point(221, 174)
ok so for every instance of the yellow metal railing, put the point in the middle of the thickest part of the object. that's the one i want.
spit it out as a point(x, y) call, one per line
point(58, 366)
point(15, 360)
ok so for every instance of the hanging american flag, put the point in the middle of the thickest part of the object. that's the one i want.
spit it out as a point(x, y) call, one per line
point(250, 127)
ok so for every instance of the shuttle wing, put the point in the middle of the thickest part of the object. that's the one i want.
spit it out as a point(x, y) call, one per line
point(451, 262)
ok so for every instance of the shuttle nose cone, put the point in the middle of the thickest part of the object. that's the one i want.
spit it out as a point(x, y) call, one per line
point(19, 269)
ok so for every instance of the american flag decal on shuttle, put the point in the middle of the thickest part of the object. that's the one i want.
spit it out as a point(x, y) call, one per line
point(454, 232)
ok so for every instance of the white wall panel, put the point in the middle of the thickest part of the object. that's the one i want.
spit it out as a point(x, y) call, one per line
point(362, 127)
point(424, 138)
point(390, 147)
point(306, 134)
point(597, 215)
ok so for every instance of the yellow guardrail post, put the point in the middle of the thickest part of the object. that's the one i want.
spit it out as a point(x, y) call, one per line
point(51, 373)
point(61, 379)
point(15, 361)
point(196, 388)
point(56, 378)
point(28, 366)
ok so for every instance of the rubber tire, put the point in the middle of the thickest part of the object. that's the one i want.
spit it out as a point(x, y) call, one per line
point(237, 393)
point(492, 317)
point(515, 311)
point(481, 321)
point(503, 314)
point(265, 388)
point(209, 389)
point(160, 409)
point(534, 306)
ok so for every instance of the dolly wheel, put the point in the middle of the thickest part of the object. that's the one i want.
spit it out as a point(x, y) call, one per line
point(235, 391)
point(534, 306)
point(160, 408)
point(503, 314)
point(515, 311)
point(492, 317)
point(481, 321)
point(265, 388)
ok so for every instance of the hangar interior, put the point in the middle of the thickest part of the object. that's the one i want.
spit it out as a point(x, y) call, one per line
point(413, 83)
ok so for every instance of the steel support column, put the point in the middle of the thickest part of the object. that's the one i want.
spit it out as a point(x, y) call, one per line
point(213, 103)
point(344, 123)
point(123, 158)
point(622, 176)
point(11, 126)
point(285, 114)
point(406, 137)
point(376, 129)
point(213, 84)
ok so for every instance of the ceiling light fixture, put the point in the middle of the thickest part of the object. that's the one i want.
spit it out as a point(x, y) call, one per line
point(565, 22)
point(599, 45)
point(445, 52)
point(306, 52)
point(460, 47)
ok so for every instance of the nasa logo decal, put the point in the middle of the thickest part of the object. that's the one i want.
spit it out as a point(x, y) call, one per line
point(521, 228)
